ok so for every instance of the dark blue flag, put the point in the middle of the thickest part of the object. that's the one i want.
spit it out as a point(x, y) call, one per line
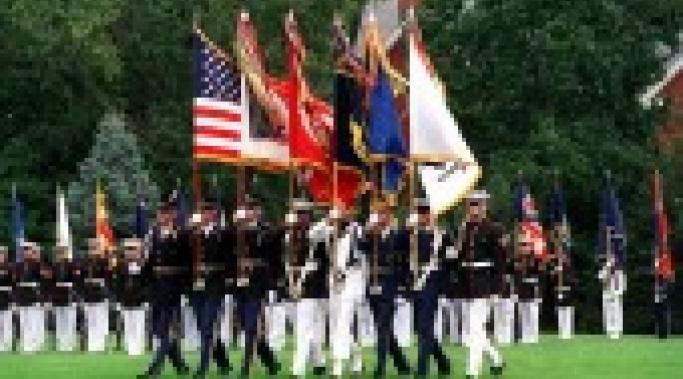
point(385, 138)
point(141, 219)
point(17, 226)
point(612, 241)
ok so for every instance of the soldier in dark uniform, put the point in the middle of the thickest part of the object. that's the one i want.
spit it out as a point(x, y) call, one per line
point(483, 260)
point(563, 279)
point(209, 285)
point(65, 276)
point(6, 284)
point(388, 261)
point(255, 246)
point(430, 279)
point(29, 274)
point(130, 292)
point(528, 278)
point(307, 267)
point(168, 269)
point(96, 287)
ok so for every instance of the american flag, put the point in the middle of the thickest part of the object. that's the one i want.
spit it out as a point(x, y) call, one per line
point(218, 109)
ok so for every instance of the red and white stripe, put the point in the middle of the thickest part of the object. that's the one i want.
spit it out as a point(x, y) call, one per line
point(217, 128)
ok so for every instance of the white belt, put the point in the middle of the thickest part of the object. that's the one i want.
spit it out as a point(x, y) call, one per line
point(64, 284)
point(99, 281)
point(530, 280)
point(563, 288)
point(479, 264)
point(5, 289)
point(28, 284)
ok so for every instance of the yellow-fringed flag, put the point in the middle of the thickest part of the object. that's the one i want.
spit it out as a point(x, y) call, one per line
point(103, 230)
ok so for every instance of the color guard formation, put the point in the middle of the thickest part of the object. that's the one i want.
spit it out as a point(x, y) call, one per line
point(338, 283)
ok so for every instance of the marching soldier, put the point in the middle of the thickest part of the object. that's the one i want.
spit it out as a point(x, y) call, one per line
point(96, 280)
point(65, 276)
point(6, 283)
point(256, 250)
point(208, 287)
point(388, 270)
point(130, 293)
point(307, 273)
point(482, 258)
point(31, 314)
point(167, 268)
point(346, 283)
point(430, 243)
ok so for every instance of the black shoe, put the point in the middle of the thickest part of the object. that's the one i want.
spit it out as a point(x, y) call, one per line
point(403, 371)
point(469, 376)
point(497, 370)
point(183, 370)
point(199, 375)
point(224, 370)
point(274, 369)
point(318, 370)
point(444, 371)
point(378, 374)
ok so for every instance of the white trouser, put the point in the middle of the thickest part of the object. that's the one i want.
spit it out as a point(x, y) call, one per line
point(342, 308)
point(65, 327)
point(134, 330)
point(613, 315)
point(276, 322)
point(465, 322)
point(6, 332)
point(565, 322)
point(97, 325)
point(225, 320)
point(190, 341)
point(503, 320)
point(366, 323)
point(454, 320)
point(32, 328)
point(528, 316)
point(308, 335)
point(478, 342)
point(403, 321)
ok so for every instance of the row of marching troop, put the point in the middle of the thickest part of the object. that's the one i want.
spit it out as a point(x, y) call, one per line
point(337, 283)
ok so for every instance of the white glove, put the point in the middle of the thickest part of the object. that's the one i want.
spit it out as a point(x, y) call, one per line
point(290, 218)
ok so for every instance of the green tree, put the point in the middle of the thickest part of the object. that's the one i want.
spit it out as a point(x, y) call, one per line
point(116, 162)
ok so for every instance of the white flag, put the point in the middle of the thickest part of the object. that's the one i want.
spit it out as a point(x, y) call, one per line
point(435, 137)
point(63, 230)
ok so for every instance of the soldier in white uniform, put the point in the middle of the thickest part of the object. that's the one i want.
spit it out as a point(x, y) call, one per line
point(613, 288)
point(307, 274)
point(347, 287)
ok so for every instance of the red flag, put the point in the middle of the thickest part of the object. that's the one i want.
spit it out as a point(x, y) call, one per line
point(305, 120)
point(663, 257)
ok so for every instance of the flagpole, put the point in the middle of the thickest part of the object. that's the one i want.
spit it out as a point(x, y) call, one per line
point(411, 163)
point(196, 187)
point(656, 196)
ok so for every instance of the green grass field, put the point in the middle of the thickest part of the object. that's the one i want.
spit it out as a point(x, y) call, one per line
point(584, 357)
